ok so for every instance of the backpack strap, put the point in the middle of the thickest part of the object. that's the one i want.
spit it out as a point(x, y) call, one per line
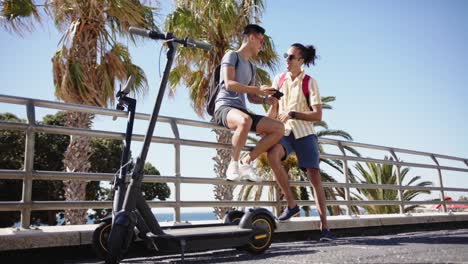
point(237, 61)
point(253, 72)
point(251, 66)
point(281, 80)
point(305, 88)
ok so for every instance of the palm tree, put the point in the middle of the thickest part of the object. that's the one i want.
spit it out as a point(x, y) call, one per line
point(87, 65)
point(386, 174)
point(219, 23)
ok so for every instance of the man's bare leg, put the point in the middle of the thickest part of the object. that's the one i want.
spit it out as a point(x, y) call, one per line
point(319, 194)
point(273, 131)
point(274, 157)
point(240, 122)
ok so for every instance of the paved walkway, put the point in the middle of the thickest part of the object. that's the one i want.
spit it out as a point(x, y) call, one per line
point(446, 246)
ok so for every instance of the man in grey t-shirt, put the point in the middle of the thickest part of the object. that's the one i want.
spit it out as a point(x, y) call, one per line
point(238, 79)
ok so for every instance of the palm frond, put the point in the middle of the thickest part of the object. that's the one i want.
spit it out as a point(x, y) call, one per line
point(335, 133)
point(328, 99)
point(219, 23)
point(386, 174)
point(18, 16)
point(333, 164)
point(327, 106)
point(322, 124)
point(352, 150)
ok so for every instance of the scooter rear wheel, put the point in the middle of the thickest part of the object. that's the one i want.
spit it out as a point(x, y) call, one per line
point(263, 232)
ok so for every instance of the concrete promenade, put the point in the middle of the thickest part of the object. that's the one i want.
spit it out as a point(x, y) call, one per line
point(445, 246)
point(441, 246)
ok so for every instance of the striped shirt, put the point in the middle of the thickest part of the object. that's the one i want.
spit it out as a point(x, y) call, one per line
point(294, 100)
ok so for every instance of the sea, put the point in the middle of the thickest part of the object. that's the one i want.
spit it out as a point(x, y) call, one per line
point(200, 216)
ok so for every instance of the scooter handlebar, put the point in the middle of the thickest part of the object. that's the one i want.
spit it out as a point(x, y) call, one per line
point(146, 33)
point(199, 44)
point(158, 35)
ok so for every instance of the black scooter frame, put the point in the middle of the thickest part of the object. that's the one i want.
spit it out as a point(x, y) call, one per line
point(132, 210)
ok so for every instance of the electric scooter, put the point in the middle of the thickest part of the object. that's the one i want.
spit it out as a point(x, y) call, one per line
point(132, 217)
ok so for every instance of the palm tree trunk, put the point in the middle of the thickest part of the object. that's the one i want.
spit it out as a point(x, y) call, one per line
point(76, 160)
point(223, 156)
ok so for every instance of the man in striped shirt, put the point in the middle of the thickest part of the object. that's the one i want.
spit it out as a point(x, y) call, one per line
point(298, 113)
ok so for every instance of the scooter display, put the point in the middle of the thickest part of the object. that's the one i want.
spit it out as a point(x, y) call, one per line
point(132, 218)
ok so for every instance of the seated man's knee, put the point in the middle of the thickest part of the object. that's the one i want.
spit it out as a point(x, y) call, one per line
point(274, 127)
point(278, 129)
point(245, 122)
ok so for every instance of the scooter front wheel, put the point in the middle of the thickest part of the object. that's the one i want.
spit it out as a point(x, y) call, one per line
point(119, 241)
point(100, 238)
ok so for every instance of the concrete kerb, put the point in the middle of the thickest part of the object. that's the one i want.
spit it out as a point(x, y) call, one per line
point(79, 235)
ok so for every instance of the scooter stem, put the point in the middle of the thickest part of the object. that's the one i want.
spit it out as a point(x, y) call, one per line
point(137, 175)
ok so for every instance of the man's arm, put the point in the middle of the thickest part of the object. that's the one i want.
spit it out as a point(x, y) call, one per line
point(313, 116)
point(273, 111)
point(258, 99)
point(229, 75)
point(255, 99)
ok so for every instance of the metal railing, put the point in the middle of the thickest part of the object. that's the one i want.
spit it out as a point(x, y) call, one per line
point(28, 174)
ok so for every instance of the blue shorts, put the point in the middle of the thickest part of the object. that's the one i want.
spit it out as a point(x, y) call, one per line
point(306, 149)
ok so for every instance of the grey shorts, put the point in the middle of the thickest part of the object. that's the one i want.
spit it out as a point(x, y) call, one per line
point(220, 116)
point(306, 149)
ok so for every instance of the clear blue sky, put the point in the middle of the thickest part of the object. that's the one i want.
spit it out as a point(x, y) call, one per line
point(397, 68)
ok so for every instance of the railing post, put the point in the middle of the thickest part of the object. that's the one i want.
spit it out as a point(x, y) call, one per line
point(346, 175)
point(175, 130)
point(398, 176)
point(28, 166)
point(441, 184)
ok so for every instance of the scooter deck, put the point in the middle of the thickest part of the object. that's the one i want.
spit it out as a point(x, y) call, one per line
point(190, 233)
point(192, 239)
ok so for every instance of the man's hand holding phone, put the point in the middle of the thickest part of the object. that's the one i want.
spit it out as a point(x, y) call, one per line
point(277, 94)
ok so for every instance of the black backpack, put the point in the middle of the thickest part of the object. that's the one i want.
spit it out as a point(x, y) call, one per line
point(214, 86)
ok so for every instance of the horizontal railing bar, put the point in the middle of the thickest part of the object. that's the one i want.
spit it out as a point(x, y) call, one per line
point(103, 111)
point(12, 174)
point(111, 112)
point(375, 186)
point(57, 205)
point(61, 175)
point(406, 164)
point(377, 147)
point(135, 137)
point(13, 125)
point(196, 143)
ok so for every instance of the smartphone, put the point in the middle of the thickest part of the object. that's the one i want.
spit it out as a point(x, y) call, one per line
point(277, 94)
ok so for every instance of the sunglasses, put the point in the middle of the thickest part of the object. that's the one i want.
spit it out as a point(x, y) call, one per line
point(291, 57)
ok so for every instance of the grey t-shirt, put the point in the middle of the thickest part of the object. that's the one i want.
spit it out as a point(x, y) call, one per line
point(245, 74)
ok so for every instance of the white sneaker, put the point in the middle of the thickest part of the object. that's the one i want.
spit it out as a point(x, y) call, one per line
point(232, 172)
point(247, 172)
